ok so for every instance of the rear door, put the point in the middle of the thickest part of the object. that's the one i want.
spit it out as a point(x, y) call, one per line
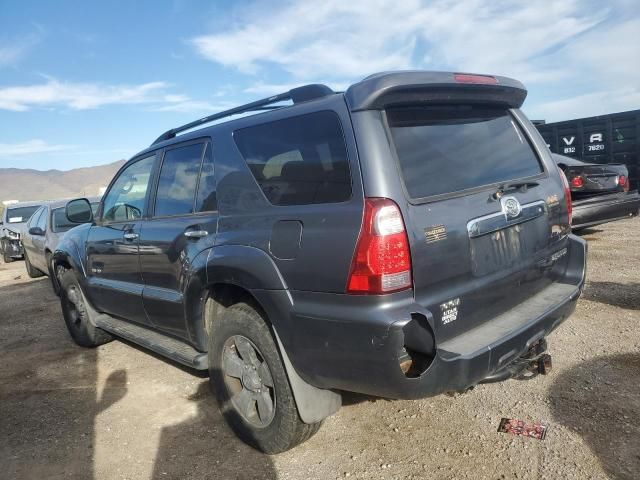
point(484, 213)
point(182, 223)
point(113, 268)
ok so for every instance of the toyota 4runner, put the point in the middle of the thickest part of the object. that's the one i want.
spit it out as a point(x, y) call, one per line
point(407, 237)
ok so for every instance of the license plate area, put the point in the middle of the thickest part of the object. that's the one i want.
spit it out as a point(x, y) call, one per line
point(507, 247)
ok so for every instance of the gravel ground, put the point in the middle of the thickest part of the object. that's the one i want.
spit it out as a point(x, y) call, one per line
point(118, 412)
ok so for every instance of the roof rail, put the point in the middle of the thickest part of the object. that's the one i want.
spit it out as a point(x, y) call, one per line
point(296, 95)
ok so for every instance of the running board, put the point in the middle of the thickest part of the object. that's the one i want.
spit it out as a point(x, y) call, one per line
point(166, 346)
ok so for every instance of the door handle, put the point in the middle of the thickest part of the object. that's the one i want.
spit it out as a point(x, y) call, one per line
point(130, 236)
point(196, 233)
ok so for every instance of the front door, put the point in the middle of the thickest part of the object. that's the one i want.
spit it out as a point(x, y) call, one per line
point(182, 223)
point(113, 268)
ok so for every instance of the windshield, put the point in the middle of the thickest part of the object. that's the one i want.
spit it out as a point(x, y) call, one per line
point(20, 214)
point(446, 149)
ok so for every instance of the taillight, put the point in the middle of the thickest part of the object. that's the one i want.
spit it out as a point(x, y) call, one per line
point(382, 261)
point(567, 195)
point(623, 182)
point(577, 182)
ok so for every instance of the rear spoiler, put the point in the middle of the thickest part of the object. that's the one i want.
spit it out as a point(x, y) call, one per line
point(390, 89)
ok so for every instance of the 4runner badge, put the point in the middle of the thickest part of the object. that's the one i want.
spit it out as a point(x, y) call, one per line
point(449, 310)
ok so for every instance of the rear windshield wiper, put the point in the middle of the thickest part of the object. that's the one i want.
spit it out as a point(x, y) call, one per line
point(507, 187)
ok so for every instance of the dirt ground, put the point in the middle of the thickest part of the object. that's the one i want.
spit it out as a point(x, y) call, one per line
point(119, 412)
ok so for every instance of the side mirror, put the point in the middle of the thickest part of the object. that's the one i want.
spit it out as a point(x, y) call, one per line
point(79, 211)
point(36, 231)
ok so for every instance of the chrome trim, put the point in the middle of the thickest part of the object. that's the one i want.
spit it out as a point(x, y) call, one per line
point(499, 220)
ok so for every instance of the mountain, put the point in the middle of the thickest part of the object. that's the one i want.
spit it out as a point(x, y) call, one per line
point(26, 184)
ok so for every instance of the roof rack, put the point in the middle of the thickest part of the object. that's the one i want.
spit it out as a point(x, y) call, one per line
point(296, 95)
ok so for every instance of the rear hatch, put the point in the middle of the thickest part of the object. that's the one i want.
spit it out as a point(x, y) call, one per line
point(486, 216)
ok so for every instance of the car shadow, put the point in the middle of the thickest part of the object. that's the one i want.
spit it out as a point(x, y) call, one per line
point(48, 389)
point(50, 398)
point(204, 447)
point(600, 400)
point(587, 231)
point(623, 295)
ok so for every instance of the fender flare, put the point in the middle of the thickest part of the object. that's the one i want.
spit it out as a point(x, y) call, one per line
point(253, 269)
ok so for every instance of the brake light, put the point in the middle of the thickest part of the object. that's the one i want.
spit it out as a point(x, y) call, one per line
point(382, 261)
point(623, 182)
point(577, 182)
point(567, 195)
point(471, 78)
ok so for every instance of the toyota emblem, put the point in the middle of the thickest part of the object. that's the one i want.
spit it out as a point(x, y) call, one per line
point(510, 207)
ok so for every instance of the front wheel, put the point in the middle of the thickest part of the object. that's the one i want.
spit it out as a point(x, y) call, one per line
point(250, 382)
point(76, 314)
point(5, 256)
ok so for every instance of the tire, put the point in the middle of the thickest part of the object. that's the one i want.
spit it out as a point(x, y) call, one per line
point(76, 314)
point(5, 256)
point(31, 270)
point(235, 384)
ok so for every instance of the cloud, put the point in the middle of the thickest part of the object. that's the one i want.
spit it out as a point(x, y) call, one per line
point(11, 51)
point(77, 96)
point(84, 96)
point(352, 39)
point(31, 147)
point(587, 105)
point(558, 49)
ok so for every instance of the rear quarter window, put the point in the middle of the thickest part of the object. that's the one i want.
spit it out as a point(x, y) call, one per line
point(299, 160)
point(448, 149)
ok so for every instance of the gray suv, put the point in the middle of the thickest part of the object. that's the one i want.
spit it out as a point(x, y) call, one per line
point(407, 237)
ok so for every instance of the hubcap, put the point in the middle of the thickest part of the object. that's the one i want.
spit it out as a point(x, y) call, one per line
point(249, 381)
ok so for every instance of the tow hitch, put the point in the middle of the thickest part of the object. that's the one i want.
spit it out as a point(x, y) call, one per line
point(533, 363)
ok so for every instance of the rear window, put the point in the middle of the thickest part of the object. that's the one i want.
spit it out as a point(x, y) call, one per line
point(453, 148)
point(298, 161)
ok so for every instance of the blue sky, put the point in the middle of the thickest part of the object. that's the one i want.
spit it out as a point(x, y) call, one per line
point(85, 83)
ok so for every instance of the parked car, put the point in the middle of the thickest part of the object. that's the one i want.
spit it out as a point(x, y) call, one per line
point(407, 237)
point(12, 223)
point(599, 192)
point(43, 232)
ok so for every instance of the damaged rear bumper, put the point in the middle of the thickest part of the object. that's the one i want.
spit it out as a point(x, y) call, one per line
point(349, 344)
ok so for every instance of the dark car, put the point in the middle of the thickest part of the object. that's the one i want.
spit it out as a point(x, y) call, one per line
point(12, 225)
point(599, 192)
point(407, 237)
point(42, 234)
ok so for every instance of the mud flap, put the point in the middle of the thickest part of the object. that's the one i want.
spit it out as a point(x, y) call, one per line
point(314, 404)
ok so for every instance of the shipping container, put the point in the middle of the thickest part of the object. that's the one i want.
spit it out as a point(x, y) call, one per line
point(613, 138)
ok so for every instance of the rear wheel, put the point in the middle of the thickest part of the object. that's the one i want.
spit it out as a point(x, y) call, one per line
point(31, 270)
point(250, 383)
point(76, 315)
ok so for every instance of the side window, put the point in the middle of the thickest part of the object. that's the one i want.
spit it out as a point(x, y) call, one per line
point(125, 200)
point(42, 221)
point(34, 218)
point(299, 160)
point(178, 180)
point(206, 200)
